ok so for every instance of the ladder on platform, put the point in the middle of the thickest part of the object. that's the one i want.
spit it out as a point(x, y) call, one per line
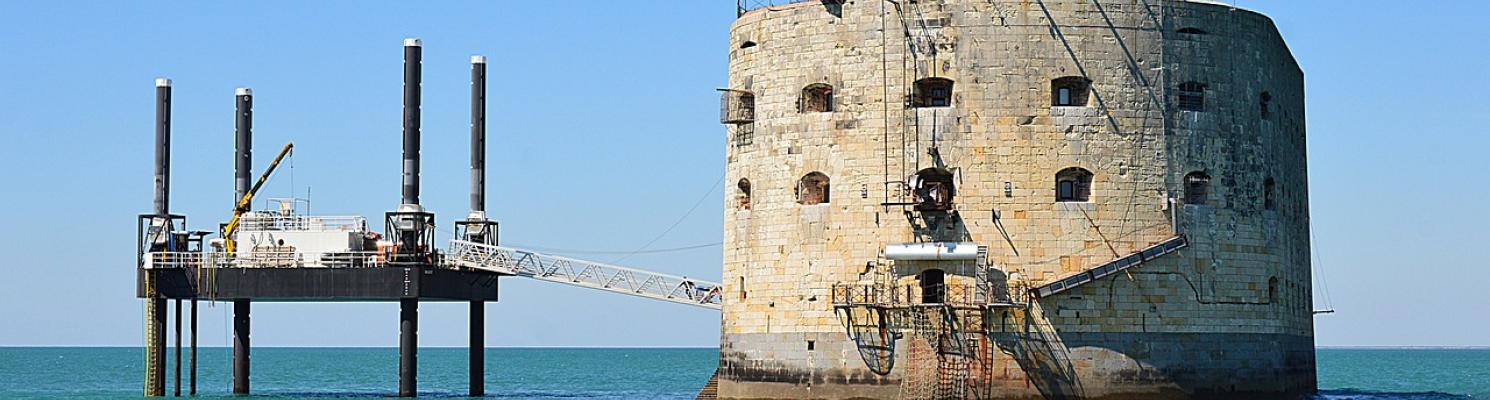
point(153, 381)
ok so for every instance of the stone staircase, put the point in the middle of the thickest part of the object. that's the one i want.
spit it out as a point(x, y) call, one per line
point(711, 389)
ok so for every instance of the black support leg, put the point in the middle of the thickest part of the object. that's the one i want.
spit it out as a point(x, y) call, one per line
point(408, 347)
point(177, 393)
point(478, 349)
point(240, 346)
point(158, 326)
point(193, 388)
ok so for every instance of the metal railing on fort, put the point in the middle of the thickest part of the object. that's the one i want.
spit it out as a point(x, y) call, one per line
point(910, 295)
point(745, 6)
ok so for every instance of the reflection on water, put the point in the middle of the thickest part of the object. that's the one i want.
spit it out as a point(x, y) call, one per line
point(1352, 394)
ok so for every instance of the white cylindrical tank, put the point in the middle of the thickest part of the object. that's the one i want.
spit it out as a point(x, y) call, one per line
point(935, 251)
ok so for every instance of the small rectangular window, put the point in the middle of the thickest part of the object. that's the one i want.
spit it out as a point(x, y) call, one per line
point(744, 134)
point(1192, 96)
point(811, 345)
point(1065, 97)
point(940, 97)
point(1067, 190)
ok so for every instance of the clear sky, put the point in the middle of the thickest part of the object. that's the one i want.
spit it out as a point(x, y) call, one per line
point(604, 133)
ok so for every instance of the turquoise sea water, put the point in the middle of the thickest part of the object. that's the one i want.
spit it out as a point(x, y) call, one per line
point(533, 373)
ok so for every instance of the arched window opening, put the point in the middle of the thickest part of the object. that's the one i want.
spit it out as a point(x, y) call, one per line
point(1192, 96)
point(934, 189)
point(747, 44)
point(813, 189)
point(744, 194)
point(817, 97)
point(1265, 105)
point(1197, 188)
point(1193, 31)
point(932, 92)
point(1268, 193)
point(736, 106)
point(1073, 185)
point(933, 286)
point(1070, 91)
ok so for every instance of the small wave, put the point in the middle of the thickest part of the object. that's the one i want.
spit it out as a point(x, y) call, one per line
point(514, 394)
point(1357, 394)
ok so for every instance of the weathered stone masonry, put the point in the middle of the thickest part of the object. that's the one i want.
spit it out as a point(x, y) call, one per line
point(1229, 315)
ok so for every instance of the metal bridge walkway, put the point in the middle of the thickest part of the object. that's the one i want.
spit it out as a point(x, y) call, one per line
point(588, 274)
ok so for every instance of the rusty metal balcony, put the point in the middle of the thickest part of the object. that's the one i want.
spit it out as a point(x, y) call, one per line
point(908, 296)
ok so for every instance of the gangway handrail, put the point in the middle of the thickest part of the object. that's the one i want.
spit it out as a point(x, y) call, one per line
point(589, 274)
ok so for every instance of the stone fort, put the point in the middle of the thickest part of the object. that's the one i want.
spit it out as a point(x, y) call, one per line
point(1014, 199)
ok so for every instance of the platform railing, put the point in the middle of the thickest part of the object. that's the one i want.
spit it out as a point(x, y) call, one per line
point(179, 260)
point(594, 275)
point(264, 259)
point(272, 222)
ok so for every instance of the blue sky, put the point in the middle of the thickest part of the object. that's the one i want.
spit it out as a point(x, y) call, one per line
point(604, 132)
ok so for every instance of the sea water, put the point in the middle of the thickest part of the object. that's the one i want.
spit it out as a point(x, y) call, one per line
point(558, 373)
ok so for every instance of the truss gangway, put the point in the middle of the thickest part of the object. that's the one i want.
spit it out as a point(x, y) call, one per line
point(588, 274)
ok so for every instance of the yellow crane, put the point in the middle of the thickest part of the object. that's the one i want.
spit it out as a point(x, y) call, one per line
point(243, 203)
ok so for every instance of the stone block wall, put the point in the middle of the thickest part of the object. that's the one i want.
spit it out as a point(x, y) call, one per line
point(1245, 274)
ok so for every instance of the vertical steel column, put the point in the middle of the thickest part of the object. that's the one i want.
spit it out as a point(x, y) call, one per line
point(408, 309)
point(159, 325)
point(412, 56)
point(408, 347)
point(162, 209)
point(243, 142)
point(162, 146)
point(242, 169)
point(240, 346)
point(178, 348)
point(478, 348)
point(478, 133)
point(192, 390)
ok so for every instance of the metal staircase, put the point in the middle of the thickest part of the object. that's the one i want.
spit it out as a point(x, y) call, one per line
point(588, 274)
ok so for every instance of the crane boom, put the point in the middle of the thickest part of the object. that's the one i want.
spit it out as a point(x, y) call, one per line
point(243, 203)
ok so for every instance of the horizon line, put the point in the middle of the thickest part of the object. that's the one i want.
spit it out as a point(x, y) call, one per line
point(1327, 347)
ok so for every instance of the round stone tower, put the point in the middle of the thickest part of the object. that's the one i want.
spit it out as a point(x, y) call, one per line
point(1014, 199)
